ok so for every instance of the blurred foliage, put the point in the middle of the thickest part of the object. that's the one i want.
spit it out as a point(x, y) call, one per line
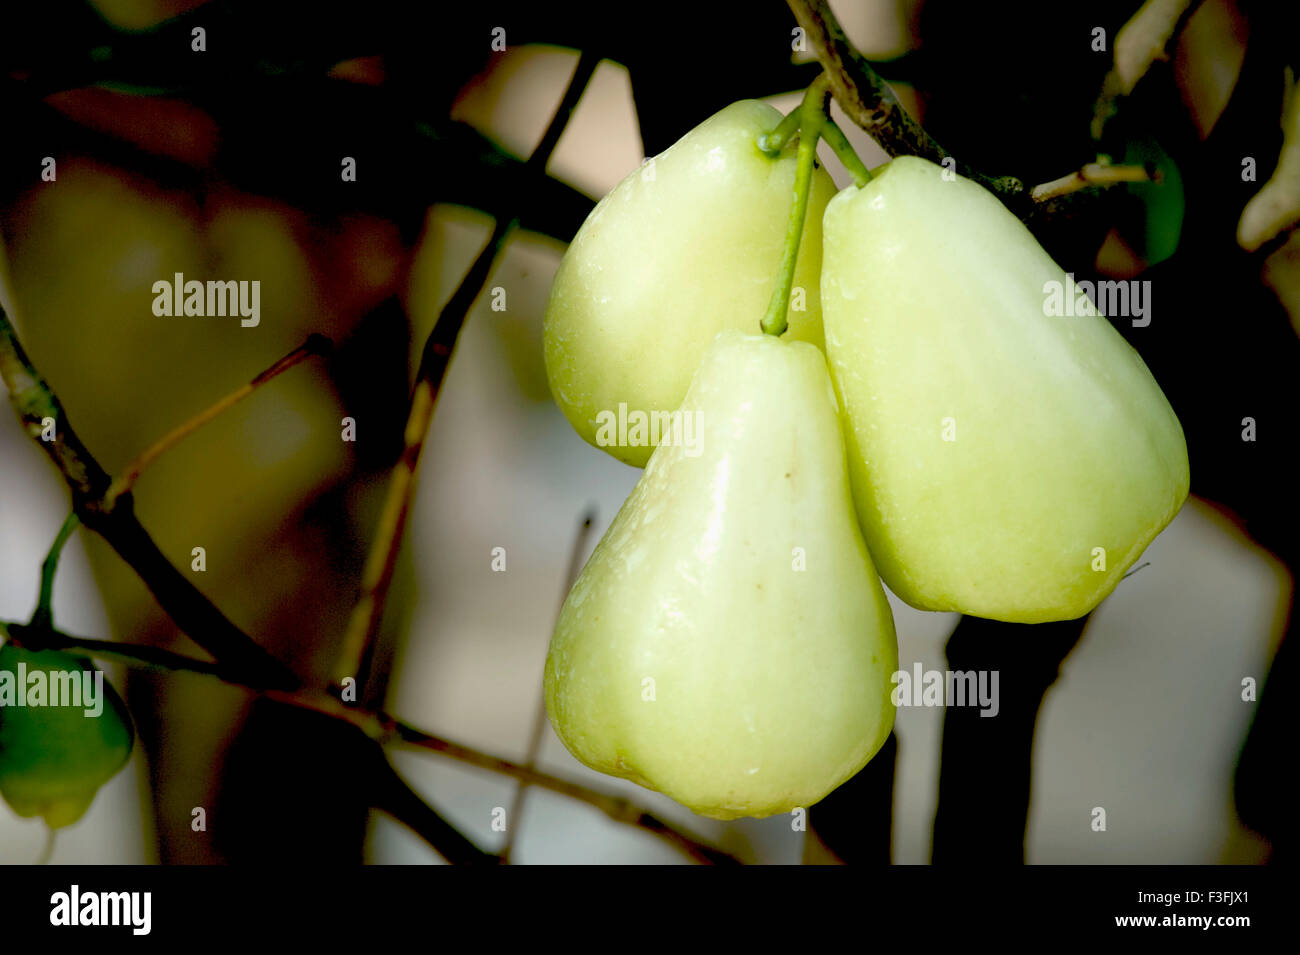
point(1161, 203)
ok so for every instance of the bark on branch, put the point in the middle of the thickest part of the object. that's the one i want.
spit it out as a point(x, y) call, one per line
point(869, 102)
point(113, 518)
point(867, 99)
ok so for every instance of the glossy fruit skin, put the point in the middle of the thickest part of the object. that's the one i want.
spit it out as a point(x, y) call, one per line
point(934, 306)
point(685, 246)
point(770, 684)
point(53, 759)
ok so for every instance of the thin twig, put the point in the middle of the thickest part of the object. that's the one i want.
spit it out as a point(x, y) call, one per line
point(867, 100)
point(615, 807)
point(380, 727)
point(153, 659)
point(391, 793)
point(363, 624)
point(241, 661)
point(539, 718)
point(39, 410)
point(1092, 174)
point(314, 345)
point(377, 575)
point(1135, 570)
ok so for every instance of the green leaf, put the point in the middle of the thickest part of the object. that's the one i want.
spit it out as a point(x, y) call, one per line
point(1163, 203)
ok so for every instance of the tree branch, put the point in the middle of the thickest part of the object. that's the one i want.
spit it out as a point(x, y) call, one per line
point(35, 636)
point(869, 102)
point(114, 520)
point(867, 99)
point(108, 510)
point(363, 625)
point(616, 807)
point(380, 727)
point(240, 658)
point(538, 731)
point(393, 794)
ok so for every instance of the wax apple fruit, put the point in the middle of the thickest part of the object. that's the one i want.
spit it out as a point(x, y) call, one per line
point(728, 642)
point(54, 758)
point(1006, 462)
point(683, 247)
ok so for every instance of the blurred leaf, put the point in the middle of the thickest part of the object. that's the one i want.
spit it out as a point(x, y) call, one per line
point(1208, 61)
point(1163, 203)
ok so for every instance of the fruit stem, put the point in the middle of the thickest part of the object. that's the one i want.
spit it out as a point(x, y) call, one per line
point(43, 617)
point(47, 853)
point(812, 119)
point(772, 143)
point(838, 142)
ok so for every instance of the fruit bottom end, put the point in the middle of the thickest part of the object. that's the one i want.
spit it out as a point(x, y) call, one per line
point(57, 812)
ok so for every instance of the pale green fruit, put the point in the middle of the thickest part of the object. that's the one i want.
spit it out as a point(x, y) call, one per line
point(685, 246)
point(1006, 462)
point(728, 642)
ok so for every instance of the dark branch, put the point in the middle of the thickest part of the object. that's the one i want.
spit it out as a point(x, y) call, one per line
point(240, 658)
point(869, 102)
point(867, 99)
point(359, 638)
point(381, 728)
point(115, 521)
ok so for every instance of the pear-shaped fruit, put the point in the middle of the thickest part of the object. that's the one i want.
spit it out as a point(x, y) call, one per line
point(55, 756)
point(685, 246)
point(729, 643)
point(1007, 461)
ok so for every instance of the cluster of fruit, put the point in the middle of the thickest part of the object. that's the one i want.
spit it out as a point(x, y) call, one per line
point(924, 419)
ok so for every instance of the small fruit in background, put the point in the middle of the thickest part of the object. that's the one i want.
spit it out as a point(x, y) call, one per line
point(729, 643)
point(54, 758)
point(685, 246)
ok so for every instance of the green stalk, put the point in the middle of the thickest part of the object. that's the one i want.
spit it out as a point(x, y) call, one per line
point(812, 119)
point(838, 142)
point(43, 617)
point(772, 143)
